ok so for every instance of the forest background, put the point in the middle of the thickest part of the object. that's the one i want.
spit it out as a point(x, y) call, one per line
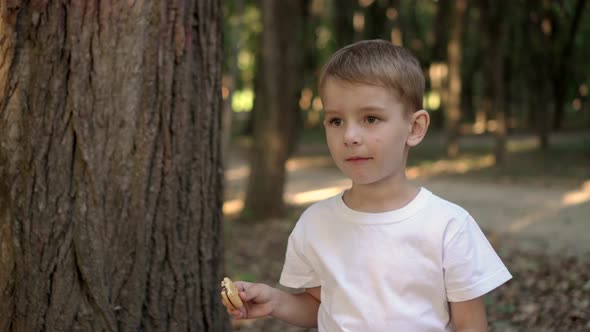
point(507, 90)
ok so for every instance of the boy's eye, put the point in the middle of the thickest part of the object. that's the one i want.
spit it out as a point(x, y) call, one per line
point(371, 119)
point(336, 122)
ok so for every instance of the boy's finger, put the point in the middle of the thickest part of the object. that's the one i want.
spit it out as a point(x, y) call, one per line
point(237, 314)
point(242, 285)
point(250, 292)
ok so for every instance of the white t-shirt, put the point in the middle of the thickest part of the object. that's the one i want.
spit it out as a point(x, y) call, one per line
point(392, 271)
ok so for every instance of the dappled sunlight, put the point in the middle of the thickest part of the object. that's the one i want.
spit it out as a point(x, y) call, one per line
point(521, 145)
point(569, 199)
point(299, 163)
point(577, 196)
point(300, 198)
point(312, 196)
point(293, 165)
point(455, 166)
point(232, 207)
point(237, 173)
point(532, 218)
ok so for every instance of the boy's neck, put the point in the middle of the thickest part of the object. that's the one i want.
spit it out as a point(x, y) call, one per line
point(380, 197)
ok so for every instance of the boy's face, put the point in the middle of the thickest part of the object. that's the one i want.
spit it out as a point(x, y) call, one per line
point(366, 131)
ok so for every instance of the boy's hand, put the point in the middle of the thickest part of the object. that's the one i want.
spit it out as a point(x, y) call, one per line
point(262, 300)
point(258, 300)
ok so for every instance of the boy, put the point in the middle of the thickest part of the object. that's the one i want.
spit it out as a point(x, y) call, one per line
point(384, 255)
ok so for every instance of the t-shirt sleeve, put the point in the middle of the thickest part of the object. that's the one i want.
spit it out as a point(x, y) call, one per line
point(297, 270)
point(471, 266)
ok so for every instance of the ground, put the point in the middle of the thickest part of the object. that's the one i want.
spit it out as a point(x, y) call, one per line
point(534, 211)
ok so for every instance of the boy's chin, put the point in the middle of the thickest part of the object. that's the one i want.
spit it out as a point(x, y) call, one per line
point(360, 181)
point(371, 180)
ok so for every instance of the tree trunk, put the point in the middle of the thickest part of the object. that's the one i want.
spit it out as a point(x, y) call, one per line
point(564, 68)
point(453, 102)
point(496, 30)
point(376, 21)
point(441, 30)
point(277, 115)
point(230, 79)
point(344, 33)
point(543, 118)
point(499, 100)
point(438, 66)
point(543, 76)
point(110, 166)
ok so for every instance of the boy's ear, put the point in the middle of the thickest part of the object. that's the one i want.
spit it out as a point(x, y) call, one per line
point(419, 125)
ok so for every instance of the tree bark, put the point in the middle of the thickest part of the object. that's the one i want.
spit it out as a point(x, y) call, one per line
point(453, 102)
point(277, 115)
point(110, 166)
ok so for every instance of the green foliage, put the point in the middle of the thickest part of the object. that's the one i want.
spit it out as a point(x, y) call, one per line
point(241, 30)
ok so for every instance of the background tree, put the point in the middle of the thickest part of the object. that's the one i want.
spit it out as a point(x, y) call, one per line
point(277, 116)
point(540, 18)
point(343, 21)
point(495, 35)
point(233, 44)
point(110, 173)
point(563, 66)
point(555, 26)
point(454, 84)
point(437, 66)
point(375, 26)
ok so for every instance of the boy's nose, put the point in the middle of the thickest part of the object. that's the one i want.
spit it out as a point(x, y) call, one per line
point(352, 137)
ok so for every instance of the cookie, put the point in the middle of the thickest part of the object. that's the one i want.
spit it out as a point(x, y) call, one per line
point(229, 295)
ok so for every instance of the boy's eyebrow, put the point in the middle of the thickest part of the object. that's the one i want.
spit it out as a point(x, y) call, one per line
point(372, 108)
point(368, 108)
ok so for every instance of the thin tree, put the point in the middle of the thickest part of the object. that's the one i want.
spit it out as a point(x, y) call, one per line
point(438, 66)
point(453, 102)
point(495, 23)
point(542, 21)
point(564, 67)
point(343, 15)
point(110, 172)
point(277, 116)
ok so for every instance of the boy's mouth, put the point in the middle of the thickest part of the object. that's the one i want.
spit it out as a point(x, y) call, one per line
point(358, 158)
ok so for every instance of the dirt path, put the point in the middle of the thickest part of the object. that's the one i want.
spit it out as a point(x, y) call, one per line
point(531, 217)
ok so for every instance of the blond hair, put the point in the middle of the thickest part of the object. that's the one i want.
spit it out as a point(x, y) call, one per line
point(380, 63)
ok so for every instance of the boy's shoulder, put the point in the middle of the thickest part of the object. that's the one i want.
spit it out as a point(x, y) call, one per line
point(318, 211)
point(321, 207)
point(448, 217)
point(444, 207)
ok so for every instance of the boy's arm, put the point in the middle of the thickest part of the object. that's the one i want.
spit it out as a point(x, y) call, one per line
point(298, 309)
point(262, 300)
point(469, 315)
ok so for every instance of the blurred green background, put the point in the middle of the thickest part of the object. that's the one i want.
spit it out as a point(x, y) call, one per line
point(507, 89)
